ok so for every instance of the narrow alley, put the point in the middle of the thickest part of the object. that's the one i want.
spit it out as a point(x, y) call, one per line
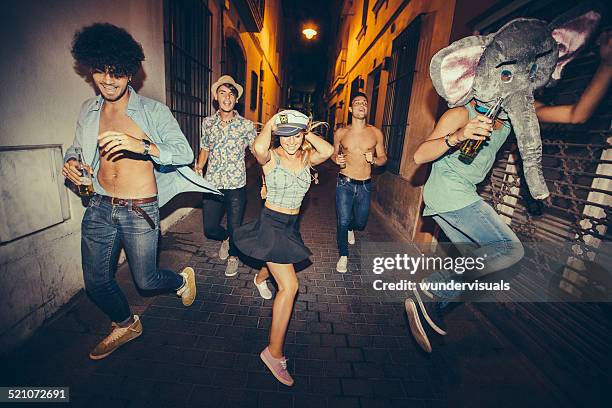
point(345, 352)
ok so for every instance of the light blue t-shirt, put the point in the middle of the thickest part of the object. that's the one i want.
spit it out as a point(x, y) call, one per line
point(172, 173)
point(452, 183)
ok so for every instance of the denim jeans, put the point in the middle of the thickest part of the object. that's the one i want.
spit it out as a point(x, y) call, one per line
point(352, 210)
point(106, 228)
point(233, 201)
point(479, 230)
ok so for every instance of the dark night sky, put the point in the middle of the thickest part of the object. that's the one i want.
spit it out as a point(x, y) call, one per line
point(308, 60)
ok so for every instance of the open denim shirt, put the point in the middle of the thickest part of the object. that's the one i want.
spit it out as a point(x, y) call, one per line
point(172, 174)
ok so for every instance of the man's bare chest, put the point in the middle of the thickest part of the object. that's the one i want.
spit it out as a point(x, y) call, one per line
point(120, 122)
point(359, 142)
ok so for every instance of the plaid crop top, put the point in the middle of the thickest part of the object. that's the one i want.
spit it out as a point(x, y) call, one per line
point(285, 188)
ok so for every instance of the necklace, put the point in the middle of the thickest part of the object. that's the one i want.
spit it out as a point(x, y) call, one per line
point(227, 122)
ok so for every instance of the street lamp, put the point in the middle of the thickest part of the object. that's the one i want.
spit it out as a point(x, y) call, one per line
point(309, 33)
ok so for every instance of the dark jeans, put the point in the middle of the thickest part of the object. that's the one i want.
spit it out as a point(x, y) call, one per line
point(105, 229)
point(352, 210)
point(233, 201)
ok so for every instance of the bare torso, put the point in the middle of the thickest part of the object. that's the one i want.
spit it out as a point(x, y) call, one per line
point(355, 143)
point(125, 174)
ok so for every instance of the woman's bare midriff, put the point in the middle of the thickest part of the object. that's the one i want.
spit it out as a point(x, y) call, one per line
point(288, 211)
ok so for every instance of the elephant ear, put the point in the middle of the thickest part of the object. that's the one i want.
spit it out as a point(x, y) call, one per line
point(453, 69)
point(572, 31)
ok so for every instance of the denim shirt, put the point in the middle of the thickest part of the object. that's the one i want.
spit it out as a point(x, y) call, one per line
point(172, 174)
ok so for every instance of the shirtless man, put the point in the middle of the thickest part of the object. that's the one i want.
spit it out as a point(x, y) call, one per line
point(354, 148)
point(122, 135)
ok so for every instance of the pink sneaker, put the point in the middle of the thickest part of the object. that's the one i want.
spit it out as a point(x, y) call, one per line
point(278, 366)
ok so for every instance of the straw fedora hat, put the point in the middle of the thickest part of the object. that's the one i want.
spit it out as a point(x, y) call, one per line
point(226, 79)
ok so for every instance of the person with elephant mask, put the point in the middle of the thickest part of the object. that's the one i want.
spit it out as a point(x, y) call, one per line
point(526, 52)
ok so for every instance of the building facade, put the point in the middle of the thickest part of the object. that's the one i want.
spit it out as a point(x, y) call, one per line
point(383, 49)
point(187, 44)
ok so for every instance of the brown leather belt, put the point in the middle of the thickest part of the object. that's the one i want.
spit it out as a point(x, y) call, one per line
point(125, 202)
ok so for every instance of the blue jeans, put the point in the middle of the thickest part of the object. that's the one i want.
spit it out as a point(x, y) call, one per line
point(479, 230)
point(105, 229)
point(352, 210)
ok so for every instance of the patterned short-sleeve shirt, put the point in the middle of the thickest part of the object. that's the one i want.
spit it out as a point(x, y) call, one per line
point(226, 146)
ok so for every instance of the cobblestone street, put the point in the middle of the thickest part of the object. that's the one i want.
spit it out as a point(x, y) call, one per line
point(344, 350)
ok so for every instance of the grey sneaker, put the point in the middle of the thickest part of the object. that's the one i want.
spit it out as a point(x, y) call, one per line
point(342, 265)
point(416, 327)
point(117, 338)
point(224, 250)
point(232, 266)
point(431, 311)
point(427, 322)
point(351, 237)
point(187, 292)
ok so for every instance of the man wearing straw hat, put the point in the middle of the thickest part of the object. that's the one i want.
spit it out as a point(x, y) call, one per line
point(225, 137)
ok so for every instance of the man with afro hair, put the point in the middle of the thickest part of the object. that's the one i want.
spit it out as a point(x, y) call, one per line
point(138, 157)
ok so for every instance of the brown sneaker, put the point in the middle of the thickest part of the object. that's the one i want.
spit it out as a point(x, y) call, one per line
point(187, 292)
point(117, 338)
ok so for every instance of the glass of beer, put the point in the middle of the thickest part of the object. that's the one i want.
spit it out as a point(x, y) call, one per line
point(86, 186)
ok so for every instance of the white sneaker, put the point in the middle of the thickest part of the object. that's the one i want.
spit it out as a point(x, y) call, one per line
point(232, 266)
point(351, 237)
point(341, 266)
point(263, 289)
point(224, 250)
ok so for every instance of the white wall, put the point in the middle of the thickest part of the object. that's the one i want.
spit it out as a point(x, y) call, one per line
point(41, 96)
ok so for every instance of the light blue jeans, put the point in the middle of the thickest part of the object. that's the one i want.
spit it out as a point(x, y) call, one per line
point(478, 230)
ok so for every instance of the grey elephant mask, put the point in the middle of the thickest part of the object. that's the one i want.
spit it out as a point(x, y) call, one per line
point(512, 63)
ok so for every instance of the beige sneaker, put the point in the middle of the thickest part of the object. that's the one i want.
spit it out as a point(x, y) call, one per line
point(187, 292)
point(117, 338)
point(232, 266)
point(342, 265)
point(224, 250)
point(351, 237)
point(264, 290)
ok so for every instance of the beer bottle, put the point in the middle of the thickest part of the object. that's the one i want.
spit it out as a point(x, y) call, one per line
point(86, 187)
point(341, 152)
point(469, 149)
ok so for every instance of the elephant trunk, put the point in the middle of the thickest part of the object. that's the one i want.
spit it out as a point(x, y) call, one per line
point(521, 110)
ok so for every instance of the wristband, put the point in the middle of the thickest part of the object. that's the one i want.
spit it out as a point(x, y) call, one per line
point(447, 142)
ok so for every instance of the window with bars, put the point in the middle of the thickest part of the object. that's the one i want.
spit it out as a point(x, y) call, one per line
point(576, 162)
point(187, 48)
point(254, 86)
point(399, 88)
point(375, 77)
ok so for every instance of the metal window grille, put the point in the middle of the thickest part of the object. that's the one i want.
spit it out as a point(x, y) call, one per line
point(395, 121)
point(254, 86)
point(375, 76)
point(576, 162)
point(187, 46)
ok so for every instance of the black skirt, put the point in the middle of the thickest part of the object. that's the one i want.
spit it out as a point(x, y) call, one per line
point(273, 237)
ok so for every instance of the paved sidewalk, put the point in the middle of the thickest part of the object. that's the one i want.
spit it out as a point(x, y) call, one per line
point(344, 349)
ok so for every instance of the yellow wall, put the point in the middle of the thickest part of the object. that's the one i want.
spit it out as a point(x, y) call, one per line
point(397, 196)
point(261, 52)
